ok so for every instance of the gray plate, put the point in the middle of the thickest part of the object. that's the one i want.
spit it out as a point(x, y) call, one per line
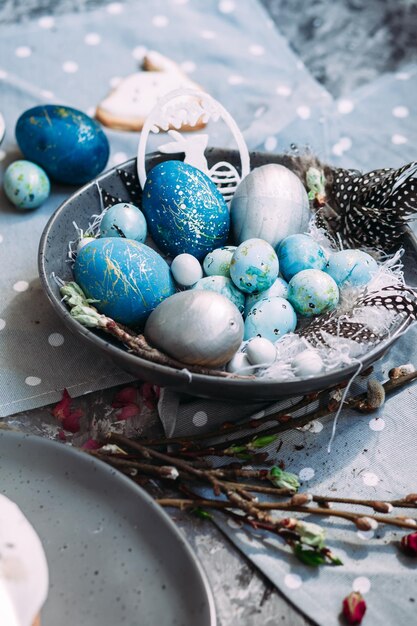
point(115, 558)
point(53, 262)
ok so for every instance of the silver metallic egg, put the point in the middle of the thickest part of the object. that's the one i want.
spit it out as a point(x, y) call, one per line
point(196, 327)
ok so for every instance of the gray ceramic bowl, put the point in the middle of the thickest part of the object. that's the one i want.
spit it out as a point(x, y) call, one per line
point(52, 261)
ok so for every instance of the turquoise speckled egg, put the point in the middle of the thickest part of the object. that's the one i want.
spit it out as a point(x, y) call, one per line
point(217, 262)
point(278, 288)
point(254, 266)
point(270, 318)
point(351, 266)
point(224, 286)
point(127, 278)
point(124, 220)
point(312, 292)
point(66, 142)
point(184, 209)
point(26, 185)
point(299, 252)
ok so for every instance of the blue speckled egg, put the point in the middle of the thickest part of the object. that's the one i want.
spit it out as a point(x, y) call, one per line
point(312, 292)
point(254, 266)
point(271, 318)
point(224, 286)
point(278, 288)
point(184, 210)
point(127, 278)
point(124, 220)
point(67, 143)
point(351, 266)
point(299, 252)
point(26, 185)
point(217, 262)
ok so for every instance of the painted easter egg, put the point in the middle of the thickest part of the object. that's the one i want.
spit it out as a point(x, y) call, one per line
point(270, 203)
point(217, 262)
point(184, 210)
point(254, 266)
point(261, 351)
point(271, 318)
point(225, 286)
point(26, 185)
point(67, 143)
point(312, 292)
point(127, 278)
point(239, 363)
point(124, 220)
point(299, 252)
point(186, 270)
point(278, 288)
point(197, 327)
point(353, 267)
point(307, 363)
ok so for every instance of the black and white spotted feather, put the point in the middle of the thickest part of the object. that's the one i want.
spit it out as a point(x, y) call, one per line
point(132, 185)
point(373, 208)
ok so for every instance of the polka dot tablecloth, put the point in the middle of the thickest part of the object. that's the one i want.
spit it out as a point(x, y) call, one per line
point(75, 60)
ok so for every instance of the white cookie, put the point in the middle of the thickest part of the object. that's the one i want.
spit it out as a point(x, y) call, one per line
point(128, 105)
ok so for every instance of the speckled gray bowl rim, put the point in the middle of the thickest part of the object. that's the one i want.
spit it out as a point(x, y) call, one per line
point(109, 478)
point(212, 385)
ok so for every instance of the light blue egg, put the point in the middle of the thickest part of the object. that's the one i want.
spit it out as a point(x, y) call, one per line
point(217, 262)
point(278, 288)
point(299, 252)
point(126, 278)
point(184, 210)
point(271, 318)
point(353, 267)
point(124, 220)
point(254, 266)
point(26, 185)
point(224, 286)
point(312, 292)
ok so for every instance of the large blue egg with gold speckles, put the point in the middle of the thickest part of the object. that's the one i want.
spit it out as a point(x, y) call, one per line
point(254, 266)
point(312, 292)
point(127, 278)
point(353, 267)
point(299, 252)
point(271, 318)
point(67, 143)
point(184, 210)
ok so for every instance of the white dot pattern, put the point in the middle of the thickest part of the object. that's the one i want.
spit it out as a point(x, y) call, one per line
point(119, 157)
point(56, 340)
point(33, 381)
point(92, 39)
point(47, 22)
point(377, 424)
point(398, 139)
point(114, 8)
point(160, 21)
point(70, 67)
point(235, 79)
point(23, 52)
point(307, 473)
point(200, 418)
point(256, 50)
point(139, 52)
point(21, 285)
point(361, 584)
point(227, 6)
point(370, 479)
point(283, 90)
point(303, 112)
point(293, 581)
point(345, 106)
point(2, 324)
point(270, 143)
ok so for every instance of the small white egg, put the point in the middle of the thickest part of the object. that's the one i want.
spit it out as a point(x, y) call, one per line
point(186, 270)
point(261, 351)
point(84, 241)
point(237, 363)
point(307, 363)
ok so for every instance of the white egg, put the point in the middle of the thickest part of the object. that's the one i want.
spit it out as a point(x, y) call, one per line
point(186, 270)
point(238, 363)
point(307, 363)
point(84, 241)
point(261, 351)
